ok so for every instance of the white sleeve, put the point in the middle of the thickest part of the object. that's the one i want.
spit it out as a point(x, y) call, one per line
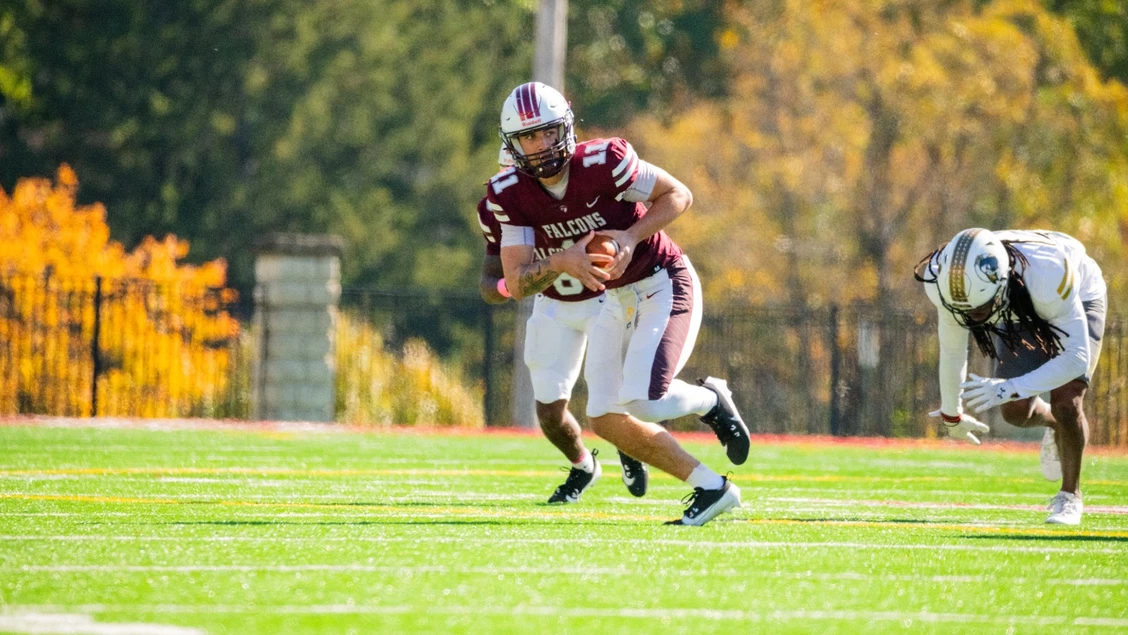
point(953, 354)
point(643, 186)
point(515, 235)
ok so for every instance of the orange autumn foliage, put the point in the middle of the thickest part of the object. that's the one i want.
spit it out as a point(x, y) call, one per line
point(164, 335)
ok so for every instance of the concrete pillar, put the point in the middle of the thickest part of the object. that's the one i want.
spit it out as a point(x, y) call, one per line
point(297, 289)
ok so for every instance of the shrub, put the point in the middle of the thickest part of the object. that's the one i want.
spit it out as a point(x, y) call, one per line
point(377, 387)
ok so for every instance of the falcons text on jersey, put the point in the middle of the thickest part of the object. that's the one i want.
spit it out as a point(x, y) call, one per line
point(600, 172)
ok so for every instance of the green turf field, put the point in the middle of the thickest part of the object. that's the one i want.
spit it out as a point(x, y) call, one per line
point(243, 530)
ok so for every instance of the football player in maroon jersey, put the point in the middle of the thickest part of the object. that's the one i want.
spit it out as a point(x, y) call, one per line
point(557, 195)
point(555, 337)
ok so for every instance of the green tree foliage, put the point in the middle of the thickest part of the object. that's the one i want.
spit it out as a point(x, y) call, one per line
point(829, 143)
point(218, 120)
point(631, 56)
point(1102, 28)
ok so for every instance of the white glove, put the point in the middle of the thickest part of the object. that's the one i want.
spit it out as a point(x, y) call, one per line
point(984, 393)
point(968, 426)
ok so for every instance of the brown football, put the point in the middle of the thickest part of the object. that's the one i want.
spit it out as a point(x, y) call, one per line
point(604, 245)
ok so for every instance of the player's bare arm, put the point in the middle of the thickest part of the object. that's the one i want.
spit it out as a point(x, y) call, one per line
point(525, 275)
point(669, 199)
point(492, 272)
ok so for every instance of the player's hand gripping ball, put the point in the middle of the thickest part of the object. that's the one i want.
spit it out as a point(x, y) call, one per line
point(604, 246)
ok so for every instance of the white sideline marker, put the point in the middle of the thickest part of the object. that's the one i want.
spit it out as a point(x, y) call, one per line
point(67, 623)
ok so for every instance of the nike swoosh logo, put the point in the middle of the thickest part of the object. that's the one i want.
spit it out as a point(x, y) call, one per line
point(651, 295)
point(593, 202)
point(628, 480)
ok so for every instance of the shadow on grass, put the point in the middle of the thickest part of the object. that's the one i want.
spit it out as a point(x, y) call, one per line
point(1049, 537)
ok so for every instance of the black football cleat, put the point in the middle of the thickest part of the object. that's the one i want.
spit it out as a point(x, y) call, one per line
point(706, 504)
point(726, 422)
point(635, 475)
point(577, 483)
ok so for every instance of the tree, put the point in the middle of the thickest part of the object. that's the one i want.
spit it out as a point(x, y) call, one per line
point(165, 333)
point(627, 57)
point(858, 136)
point(221, 119)
point(1102, 29)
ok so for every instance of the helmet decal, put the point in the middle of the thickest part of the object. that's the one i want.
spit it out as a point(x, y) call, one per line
point(987, 268)
point(959, 266)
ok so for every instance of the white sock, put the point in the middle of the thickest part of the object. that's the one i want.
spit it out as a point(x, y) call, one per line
point(680, 399)
point(586, 462)
point(705, 478)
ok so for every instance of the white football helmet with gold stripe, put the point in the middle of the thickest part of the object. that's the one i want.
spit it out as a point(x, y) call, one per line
point(972, 273)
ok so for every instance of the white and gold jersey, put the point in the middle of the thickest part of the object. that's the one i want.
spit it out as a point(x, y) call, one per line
point(1060, 276)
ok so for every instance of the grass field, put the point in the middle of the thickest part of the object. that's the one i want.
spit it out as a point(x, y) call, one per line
point(242, 529)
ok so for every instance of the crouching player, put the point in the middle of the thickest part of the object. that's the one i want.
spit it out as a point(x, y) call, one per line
point(1036, 303)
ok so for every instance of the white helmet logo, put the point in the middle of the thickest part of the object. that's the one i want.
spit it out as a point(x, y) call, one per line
point(987, 268)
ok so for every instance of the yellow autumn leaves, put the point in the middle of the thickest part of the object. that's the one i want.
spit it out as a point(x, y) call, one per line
point(164, 337)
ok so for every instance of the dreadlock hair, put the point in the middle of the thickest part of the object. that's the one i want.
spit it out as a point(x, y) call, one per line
point(1016, 317)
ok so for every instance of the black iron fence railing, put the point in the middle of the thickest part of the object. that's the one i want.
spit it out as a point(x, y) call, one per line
point(119, 347)
point(843, 371)
point(135, 348)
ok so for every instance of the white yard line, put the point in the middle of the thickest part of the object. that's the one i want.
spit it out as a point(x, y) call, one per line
point(271, 495)
point(905, 618)
point(497, 541)
point(579, 570)
point(834, 502)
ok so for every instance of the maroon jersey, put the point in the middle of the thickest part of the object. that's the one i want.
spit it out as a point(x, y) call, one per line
point(565, 288)
point(600, 172)
point(491, 229)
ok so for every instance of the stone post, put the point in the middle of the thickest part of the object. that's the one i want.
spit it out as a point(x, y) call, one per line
point(297, 289)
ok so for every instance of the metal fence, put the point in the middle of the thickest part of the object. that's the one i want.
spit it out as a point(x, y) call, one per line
point(134, 348)
point(843, 371)
point(120, 347)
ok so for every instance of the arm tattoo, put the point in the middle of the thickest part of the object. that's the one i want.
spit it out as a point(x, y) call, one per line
point(535, 277)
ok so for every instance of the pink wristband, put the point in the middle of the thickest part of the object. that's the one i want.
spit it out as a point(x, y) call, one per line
point(502, 289)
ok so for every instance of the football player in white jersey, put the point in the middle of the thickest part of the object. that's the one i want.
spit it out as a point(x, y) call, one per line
point(1035, 302)
point(555, 337)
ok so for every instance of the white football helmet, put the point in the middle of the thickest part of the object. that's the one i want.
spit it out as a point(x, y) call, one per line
point(531, 107)
point(504, 158)
point(971, 276)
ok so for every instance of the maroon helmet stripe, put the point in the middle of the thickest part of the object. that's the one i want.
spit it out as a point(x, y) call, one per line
point(524, 104)
point(523, 101)
point(534, 103)
point(520, 103)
